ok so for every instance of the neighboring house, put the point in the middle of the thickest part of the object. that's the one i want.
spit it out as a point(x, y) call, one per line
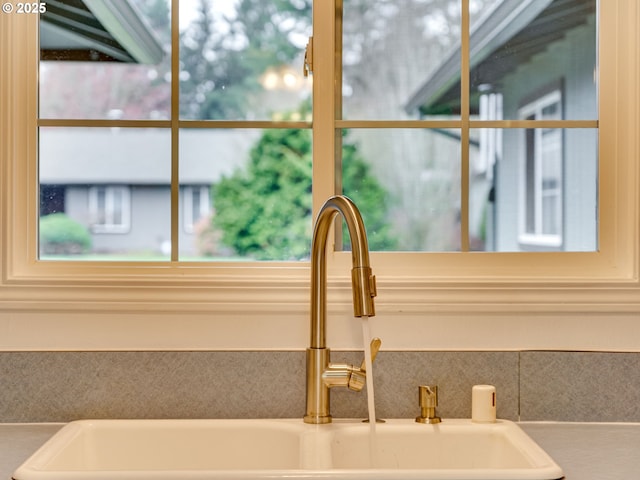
point(117, 182)
point(531, 189)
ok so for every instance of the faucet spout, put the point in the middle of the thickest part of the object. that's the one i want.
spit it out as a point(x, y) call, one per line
point(321, 374)
point(362, 280)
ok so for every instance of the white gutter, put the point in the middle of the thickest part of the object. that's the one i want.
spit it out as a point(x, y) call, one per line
point(122, 21)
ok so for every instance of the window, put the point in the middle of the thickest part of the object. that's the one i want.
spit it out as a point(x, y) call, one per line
point(510, 280)
point(542, 169)
point(391, 169)
point(216, 118)
point(196, 206)
point(51, 199)
point(109, 209)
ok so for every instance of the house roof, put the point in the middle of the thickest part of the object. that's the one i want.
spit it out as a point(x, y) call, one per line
point(133, 156)
point(506, 36)
point(91, 30)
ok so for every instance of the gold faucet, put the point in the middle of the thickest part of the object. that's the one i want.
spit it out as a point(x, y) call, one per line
point(321, 373)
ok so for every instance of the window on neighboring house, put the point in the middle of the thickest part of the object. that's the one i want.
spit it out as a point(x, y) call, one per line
point(51, 199)
point(197, 206)
point(542, 175)
point(110, 209)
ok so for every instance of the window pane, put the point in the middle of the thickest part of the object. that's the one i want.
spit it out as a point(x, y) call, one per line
point(195, 213)
point(243, 60)
point(519, 51)
point(389, 50)
point(537, 191)
point(115, 189)
point(260, 184)
point(113, 63)
point(100, 209)
point(407, 184)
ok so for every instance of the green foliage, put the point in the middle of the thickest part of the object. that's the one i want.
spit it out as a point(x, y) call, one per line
point(372, 199)
point(264, 212)
point(61, 235)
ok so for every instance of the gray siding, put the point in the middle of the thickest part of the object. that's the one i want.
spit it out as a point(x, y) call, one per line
point(565, 61)
point(140, 159)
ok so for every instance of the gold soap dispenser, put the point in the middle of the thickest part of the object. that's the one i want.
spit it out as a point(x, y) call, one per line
point(428, 400)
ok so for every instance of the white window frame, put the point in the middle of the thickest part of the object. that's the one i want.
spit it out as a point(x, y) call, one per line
point(204, 206)
point(537, 237)
point(467, 284)
point(109, 225)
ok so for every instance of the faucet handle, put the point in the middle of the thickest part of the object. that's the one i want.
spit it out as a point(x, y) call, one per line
point(375, 348)
point(359, 375)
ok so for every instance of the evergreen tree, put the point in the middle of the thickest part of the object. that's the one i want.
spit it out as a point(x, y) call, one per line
point(265, 211)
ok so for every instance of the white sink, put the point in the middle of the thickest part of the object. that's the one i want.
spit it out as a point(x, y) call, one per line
point(260, 449)
point(453, 449)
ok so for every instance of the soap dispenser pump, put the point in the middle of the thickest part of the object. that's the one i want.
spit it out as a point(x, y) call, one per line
point(428, 400)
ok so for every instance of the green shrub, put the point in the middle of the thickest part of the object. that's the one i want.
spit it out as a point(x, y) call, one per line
point(264, 211)
point(60, 235)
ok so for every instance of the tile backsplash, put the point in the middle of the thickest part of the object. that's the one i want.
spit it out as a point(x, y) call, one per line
point(531, 385)
point(580, 386)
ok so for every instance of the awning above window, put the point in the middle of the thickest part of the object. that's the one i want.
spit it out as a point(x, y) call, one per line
point(96, 30)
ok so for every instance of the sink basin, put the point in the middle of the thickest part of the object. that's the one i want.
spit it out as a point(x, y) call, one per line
point(261, 449)
point(164, 449)
point(453, 449)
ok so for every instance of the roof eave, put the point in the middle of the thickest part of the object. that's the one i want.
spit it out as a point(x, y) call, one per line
point(98, 30)
point(494, 29)
point(126, 26)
